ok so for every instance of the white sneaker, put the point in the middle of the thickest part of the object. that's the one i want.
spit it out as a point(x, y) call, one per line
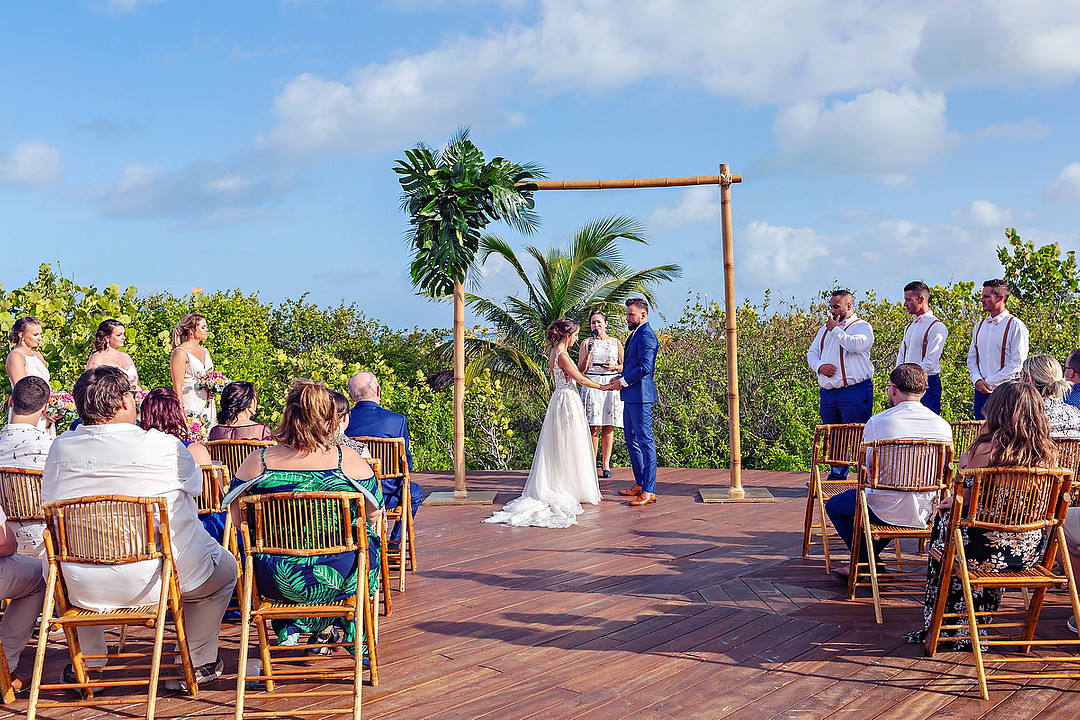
point(203, 673)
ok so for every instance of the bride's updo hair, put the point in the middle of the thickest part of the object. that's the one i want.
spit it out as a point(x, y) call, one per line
point(185, 328)
point(104, 332)
point(561, 329)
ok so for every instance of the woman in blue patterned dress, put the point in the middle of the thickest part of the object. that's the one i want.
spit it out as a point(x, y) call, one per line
point(305, 459)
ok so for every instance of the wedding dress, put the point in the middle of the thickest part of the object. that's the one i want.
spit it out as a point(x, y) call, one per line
point(563, 473)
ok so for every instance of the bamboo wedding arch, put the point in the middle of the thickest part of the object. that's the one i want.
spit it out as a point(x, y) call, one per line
point(736, 492)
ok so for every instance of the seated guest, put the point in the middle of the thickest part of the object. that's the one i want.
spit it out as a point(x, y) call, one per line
point(22, 583)
point(1072, 374)
point(1016, 434)
point(906, 419)
point(1044, 373)
point(371, 420)
point(307, 459)
point(109, 455)
point(24, 445)
point(236, 406)
point(161, 411)
point(341, 406)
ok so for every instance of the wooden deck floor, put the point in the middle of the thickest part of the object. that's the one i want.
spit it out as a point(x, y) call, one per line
point(679, 609)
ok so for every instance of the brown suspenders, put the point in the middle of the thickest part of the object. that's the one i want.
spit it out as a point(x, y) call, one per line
point(926, 335)
point(1004, 339)
point(821, 349)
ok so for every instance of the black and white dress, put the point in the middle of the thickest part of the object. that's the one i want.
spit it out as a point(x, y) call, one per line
point(603, 407)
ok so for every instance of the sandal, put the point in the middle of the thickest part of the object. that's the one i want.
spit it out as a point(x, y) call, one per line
point(327, 636)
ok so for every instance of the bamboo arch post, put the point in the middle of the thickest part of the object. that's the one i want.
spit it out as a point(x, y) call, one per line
point(736, 492)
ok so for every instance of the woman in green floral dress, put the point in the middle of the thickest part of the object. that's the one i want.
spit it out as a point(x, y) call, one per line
point(307, 458)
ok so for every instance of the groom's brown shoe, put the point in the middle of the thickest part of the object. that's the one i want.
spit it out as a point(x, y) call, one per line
point(643, 499)
point(632, 492)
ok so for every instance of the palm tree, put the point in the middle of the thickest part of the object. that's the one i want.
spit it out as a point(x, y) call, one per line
point(588, 275)
point(451, 196)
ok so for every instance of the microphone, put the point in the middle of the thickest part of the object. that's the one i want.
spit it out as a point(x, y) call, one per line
point(595, 334)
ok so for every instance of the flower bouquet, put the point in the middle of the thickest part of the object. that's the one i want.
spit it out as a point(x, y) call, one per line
point(139, 397)
point(198, 427)
point(212, 382)
point(60, 409)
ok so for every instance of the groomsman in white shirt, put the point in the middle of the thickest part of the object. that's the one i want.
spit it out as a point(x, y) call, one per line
point(840, 355)
point(924, 339)
point(999, 344)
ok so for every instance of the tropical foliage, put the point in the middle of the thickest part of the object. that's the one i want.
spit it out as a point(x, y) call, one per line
point(588, 275)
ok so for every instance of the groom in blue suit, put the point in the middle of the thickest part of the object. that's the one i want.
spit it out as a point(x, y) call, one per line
point(638, 392)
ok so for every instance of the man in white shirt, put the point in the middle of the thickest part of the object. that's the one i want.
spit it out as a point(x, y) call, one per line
point(999, 345)
point(109, 454)
point(840, 355)
point(24, 445)
point(924, 339)
point(906, 419)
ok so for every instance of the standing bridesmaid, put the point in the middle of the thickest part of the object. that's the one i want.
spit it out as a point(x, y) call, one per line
point(108, 340)
point(24, 359)
point(188, 362)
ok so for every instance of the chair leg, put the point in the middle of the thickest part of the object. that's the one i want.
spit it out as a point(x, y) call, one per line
point(933, 634)
point(264, 652)
point(358, 656)
point(973, 625)
point(6, 691)
point(42, 644)
point(245, 640)
point(808, 521)
point(384, 568)
point(412, 538)
point(823, 526)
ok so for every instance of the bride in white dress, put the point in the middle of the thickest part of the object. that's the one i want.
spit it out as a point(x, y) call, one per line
point(563, 473)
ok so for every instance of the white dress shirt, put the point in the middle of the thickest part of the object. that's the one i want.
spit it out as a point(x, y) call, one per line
point(124, 459)
point(853, 339)
point(924, 339)
point(991, 334)
point(25, 446)
point(909, 420)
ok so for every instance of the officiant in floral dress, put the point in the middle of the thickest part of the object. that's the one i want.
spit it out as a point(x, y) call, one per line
point(600, 358)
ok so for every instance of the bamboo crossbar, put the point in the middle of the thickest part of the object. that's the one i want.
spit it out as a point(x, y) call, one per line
point(629, 183)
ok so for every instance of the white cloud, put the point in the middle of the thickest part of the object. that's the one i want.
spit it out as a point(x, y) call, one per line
point(697, 206)
point(778, 256)
point(202, 193)
point(124, 7)
point(1067, 187)
point(986, 214)
point(1030, 129)
point(30, 164)
point(884, 135)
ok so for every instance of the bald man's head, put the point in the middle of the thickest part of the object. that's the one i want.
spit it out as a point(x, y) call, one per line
point(363, 386)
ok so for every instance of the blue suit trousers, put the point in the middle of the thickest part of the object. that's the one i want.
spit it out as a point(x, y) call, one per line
point(640, 443)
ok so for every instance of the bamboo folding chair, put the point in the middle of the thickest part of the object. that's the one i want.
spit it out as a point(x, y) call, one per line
point(384, 566)
point(1069, 459)
point(833, 445)
point(20, 498)
point(304, 524)
point(1011, 500)
point(109, 530)
point(395, 464)
point(216, 480)
point(231, 453)
point(902, 466)
point(963, 432)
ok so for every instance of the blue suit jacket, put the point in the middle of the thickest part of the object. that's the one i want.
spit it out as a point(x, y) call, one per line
point(639, 362)
point(368, 418)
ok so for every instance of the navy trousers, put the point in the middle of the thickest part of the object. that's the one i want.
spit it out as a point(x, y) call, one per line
point(392, 498)
point(841, 510)
point(932, 398)
point(980, 400)
point(853, 404)
point(640, 443)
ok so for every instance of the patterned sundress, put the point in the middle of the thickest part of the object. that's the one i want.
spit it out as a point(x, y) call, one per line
point(320, 579)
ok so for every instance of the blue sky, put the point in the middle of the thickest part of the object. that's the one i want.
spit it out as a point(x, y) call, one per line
point(249, 144)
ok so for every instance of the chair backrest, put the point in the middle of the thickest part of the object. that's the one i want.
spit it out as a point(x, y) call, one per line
point(302, 524)
point(1068, 454)
point(232, 453)
point(20, 493)
point(376, 466)
point(390, 452)
point(108, 529)
point(907, 465)
point(1014, 499)
point(215, 483)
point(838, 444)
point(963, 432)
